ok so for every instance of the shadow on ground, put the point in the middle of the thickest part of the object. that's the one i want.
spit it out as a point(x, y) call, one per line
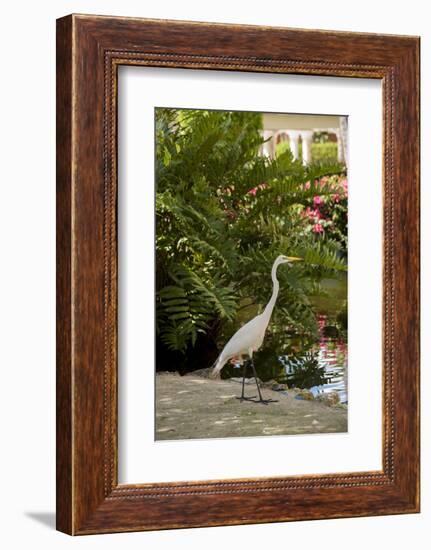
point(45, 518)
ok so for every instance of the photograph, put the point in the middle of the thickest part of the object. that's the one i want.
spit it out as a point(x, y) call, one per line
point(215, 275)
point(251, 273)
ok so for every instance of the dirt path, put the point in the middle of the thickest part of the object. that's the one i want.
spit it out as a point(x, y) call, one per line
point(191, 407)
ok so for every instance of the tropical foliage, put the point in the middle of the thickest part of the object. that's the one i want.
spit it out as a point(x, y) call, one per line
point(223, 214)
point(327, 214)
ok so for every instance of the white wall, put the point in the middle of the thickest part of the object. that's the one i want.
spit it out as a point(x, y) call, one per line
point(27, 314)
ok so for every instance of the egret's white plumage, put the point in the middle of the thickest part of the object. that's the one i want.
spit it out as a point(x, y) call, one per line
point(249, 337)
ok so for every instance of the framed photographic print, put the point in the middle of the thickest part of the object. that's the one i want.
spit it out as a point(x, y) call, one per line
point(237, 274)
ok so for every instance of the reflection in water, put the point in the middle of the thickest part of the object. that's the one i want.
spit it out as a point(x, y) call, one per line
point(331, 354)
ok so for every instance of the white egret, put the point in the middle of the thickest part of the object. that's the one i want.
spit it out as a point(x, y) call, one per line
point(249, 337)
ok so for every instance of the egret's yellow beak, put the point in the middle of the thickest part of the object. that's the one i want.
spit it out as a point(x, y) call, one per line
point(294, 259)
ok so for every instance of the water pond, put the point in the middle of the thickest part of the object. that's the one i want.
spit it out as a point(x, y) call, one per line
point(331, 349)
point(330, 354)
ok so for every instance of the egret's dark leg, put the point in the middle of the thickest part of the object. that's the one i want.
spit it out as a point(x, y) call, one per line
point(255, 378)
point(261, 400)
point(244, 372)
point(244, 368)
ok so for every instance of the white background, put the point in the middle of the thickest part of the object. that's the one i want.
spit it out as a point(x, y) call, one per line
point(141, 458)
point(27, 123)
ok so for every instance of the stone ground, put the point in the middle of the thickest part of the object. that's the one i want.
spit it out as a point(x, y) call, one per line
point(193, 407)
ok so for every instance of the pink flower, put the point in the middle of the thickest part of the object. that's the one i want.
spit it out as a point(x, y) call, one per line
point(321, 320)
point(307, 185)
point(317, 228)
point(336, 197)
point(323, 181)
point(231, 214)
point(313, 214)
point(317, 200)
point(344, 185)
point(253, 191)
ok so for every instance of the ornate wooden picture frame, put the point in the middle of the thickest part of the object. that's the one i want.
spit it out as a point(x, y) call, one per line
point(89, 51)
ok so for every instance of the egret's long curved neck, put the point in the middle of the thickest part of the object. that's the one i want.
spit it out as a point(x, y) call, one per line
point(276, 287)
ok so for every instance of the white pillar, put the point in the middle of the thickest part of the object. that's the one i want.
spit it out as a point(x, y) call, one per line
point(343, 139)
point(268, 148)
point(307, 138)
point(340, 147)
point(294, 143)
